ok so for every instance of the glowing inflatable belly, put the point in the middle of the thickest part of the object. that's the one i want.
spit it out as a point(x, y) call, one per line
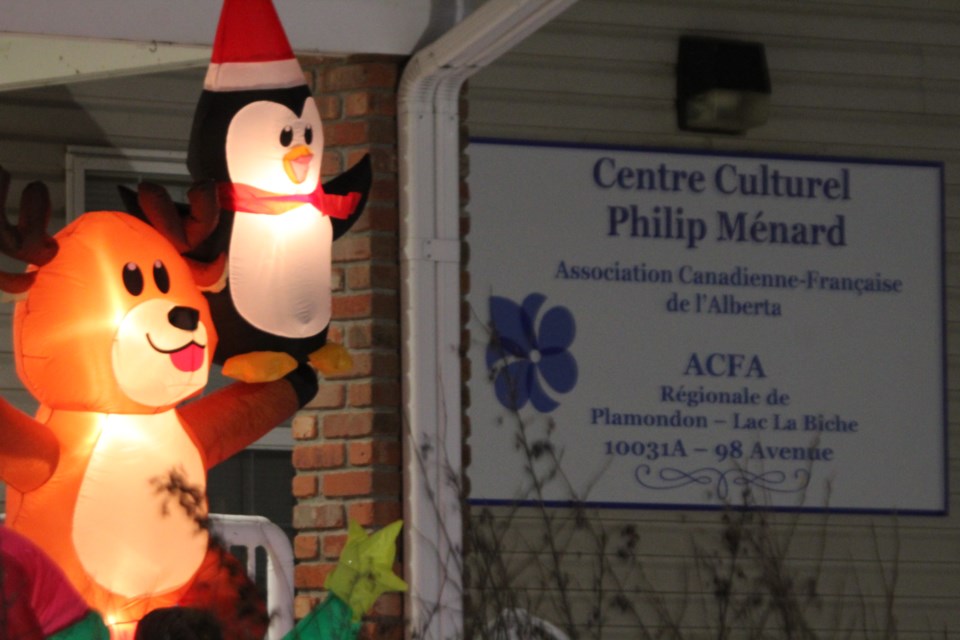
point(130, 531)
point(279, 271)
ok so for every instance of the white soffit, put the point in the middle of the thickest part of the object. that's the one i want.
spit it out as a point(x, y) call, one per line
point(30, 61)
point(83, 40)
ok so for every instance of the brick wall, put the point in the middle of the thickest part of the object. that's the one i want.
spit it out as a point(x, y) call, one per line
point(347, 450)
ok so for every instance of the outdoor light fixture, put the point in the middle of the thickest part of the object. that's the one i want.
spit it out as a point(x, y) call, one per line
point(722, 85)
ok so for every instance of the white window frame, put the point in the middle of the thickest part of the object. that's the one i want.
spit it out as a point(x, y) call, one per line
point(81, 161)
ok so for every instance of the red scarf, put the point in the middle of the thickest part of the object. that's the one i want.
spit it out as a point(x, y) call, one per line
point(243, 197)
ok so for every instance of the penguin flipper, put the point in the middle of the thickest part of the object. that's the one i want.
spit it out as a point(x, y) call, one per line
point(356, 179)
point(259, 366)
point(331, 359)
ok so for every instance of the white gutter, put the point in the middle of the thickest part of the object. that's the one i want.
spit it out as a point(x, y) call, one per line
point(429, 170)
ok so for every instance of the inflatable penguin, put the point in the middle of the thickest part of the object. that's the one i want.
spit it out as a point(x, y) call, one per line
point(257, 134)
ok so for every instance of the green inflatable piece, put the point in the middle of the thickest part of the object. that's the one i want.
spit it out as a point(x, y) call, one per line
point(90, 627)
point(365, 569)
point(332, 620)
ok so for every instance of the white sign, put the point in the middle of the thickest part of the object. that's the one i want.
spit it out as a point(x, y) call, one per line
point(671, 328)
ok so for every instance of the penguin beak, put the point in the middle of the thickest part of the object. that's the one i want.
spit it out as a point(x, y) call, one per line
point(296, 163)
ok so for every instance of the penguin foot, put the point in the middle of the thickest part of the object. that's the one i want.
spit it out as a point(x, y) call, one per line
point(331, 359)
point(259, 366)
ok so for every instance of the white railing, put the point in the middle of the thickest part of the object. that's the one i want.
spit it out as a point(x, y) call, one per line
point(517, 624)
point(251, 532)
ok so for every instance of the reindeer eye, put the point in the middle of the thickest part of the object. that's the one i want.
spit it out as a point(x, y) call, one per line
point(161, 277)
point(286, 136)
point(133, 278)
point(308, 135)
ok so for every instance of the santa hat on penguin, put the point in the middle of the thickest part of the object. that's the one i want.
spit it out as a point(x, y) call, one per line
point(251, 50)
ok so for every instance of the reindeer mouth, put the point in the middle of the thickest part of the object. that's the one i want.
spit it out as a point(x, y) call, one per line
point(188, 357)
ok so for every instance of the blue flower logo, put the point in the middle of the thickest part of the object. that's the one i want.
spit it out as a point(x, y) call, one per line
point(519, 356)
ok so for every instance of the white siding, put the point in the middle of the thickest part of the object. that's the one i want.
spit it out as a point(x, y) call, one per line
point(873, 79)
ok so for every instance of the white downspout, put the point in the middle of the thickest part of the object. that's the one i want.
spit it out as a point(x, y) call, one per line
point(429, 169)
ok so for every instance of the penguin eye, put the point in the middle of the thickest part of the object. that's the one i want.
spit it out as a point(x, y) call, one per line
point(161, 277)
point(286, 136)
point(308, 135)
point(133, 278)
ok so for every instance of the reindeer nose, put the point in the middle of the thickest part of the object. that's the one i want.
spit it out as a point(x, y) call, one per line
point(186, 318)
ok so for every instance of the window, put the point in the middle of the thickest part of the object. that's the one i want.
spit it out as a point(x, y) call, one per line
point(94, 175)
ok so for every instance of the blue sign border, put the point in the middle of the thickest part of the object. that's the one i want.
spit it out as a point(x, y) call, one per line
point(938, 165)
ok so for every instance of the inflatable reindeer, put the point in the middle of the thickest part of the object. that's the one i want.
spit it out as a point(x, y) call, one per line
point(111, 335)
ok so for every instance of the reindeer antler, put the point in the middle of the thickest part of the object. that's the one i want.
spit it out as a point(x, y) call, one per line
point(28, 241)
point(187, 230)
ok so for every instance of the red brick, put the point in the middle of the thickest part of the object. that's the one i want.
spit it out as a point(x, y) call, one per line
point(381, 628)
point(387, 482)
point(360, 335)
point(309, 79)
point(304, 427)
point(359, 76)
point(331, 164)
point(387, 422)
point(360, 453)
point(373, 334)
point(320, 456)
point(337, 279)
point(343, 484)
point(379, 217)
point(304, 486)
point(373, 276)
point(370, 104)
point(303, 605)
point(367, 452)
point(348, 425)
point(330, 106)
point(389, 604)
point(364, 247)
point(311, 576)
point(352, 306)
point(358, 277)
point(335, 333)
point(347, 133)
point(384, 190)
point(382, 131)
point(330, 395)
point(387, 452)
point(383, 158)
point(384, 365)
point(381, 393)
point(312, 60)
point(375, 513)
point(385, 104)
point(324, 516)
point(379, 304)
point(358, 103)
point(352, 247)
point(306, 547)
point(377, 627)
point(333, 544)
